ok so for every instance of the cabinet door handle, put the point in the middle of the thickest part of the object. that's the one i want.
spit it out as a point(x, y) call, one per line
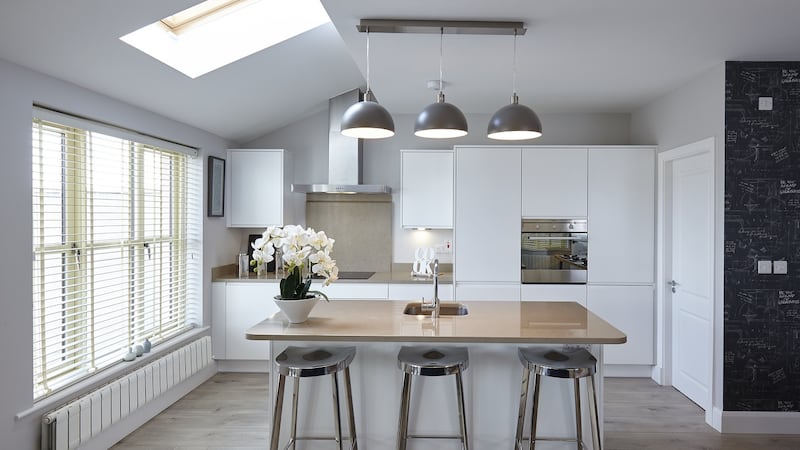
point(674, 284)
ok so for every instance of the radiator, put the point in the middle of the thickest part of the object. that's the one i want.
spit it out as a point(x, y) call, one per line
point(75, 423)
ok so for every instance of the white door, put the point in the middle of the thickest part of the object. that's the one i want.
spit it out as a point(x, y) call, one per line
point(692, 277)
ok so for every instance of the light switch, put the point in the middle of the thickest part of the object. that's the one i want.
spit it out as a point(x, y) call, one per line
point(765, 103)
point(780, 267)
point(764, 267)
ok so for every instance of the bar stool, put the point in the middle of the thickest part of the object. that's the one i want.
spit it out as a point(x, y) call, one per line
point(572, 363)
point(300, 362)
point(431, 362)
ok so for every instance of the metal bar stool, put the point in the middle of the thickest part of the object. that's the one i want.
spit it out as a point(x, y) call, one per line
point(574, 363)
point(431, 362)
point(299, 362)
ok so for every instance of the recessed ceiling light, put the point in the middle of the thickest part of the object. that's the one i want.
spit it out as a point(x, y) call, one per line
point(215, 33)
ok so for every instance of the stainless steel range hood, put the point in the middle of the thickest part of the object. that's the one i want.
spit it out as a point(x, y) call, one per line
point(344, 156)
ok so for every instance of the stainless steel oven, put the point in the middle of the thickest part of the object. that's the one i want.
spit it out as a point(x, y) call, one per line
point(554, 251)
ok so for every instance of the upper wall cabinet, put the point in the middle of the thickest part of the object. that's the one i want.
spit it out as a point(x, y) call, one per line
point(554, 182)
point(256, 188)
point(621, 217)
point(427, 188)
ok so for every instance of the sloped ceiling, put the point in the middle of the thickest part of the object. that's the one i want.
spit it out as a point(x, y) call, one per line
point(577, 56)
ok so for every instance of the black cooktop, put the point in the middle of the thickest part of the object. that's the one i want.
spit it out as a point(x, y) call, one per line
point(355, 275)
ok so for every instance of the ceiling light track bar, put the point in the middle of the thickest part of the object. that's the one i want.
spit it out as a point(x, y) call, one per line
point(441, 26)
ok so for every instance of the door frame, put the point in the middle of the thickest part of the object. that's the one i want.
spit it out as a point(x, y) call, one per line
point(662, 371)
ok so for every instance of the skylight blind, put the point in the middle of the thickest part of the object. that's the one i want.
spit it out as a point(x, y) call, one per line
point(116, 248)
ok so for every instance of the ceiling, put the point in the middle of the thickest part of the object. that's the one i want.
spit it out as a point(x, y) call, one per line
point(577, 56)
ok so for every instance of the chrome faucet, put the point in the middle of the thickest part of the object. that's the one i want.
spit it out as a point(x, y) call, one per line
point(434, 307)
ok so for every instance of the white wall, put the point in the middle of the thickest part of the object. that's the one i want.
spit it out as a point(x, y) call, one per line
point(691, 113)
point(307, 140)
point(19, 89)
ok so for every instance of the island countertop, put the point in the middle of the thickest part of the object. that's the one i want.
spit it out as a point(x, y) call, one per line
point(486, 322)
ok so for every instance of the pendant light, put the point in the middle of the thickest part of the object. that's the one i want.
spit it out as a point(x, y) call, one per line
point(441, 119)
point(367, 119)
point(514, 122)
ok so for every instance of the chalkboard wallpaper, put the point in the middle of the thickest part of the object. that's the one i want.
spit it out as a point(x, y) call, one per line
point(762, 222)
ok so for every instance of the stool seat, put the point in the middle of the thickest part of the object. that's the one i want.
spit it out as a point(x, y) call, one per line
point(567, 363)
point(303, 362)
point(432, 361)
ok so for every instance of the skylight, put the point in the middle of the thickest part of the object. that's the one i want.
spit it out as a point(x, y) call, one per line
point(215, 33)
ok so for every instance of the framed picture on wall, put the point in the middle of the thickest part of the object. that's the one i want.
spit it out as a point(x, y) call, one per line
point(216, 187)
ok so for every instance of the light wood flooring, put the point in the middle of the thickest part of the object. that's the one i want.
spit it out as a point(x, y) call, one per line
point(228, 413)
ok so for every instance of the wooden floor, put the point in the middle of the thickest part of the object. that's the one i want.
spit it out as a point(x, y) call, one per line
point(228, 412)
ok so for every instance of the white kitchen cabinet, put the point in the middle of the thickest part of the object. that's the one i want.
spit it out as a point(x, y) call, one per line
point(257, 188)
point(426, 188)
point(355, 291)
point(632, 310)
point(488, 215)
point(246, 304)
point(554, 182)
point(507, 292)
point(554, 293)
point(621, 215)
point(418, 291)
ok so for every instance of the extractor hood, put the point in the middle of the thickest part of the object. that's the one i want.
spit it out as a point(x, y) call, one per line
point(344, 155)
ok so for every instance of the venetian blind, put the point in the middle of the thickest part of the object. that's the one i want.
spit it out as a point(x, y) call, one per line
point(116, 246)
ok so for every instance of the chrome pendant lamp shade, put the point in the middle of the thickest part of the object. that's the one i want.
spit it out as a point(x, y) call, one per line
point(514, 122)
point(440, 120)
point(367, 119)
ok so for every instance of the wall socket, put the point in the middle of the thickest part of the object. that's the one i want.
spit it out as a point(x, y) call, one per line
point(444, 248)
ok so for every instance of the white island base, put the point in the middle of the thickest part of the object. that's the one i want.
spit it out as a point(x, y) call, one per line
point(492, 331)
point(491, 393)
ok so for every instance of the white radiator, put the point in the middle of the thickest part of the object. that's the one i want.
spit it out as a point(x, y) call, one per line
point(78, 421)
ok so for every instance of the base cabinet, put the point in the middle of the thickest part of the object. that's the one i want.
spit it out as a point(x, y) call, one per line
point(632, 310)
point(246, 304)
point(487, 292)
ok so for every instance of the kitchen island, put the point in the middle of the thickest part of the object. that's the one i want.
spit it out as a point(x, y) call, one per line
point(492, 330)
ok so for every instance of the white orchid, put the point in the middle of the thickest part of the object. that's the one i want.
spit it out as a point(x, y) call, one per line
point(299, 246)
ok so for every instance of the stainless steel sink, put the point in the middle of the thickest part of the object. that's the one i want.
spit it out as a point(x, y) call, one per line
point(445, 309)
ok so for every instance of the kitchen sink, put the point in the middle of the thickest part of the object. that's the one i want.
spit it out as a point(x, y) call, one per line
point(445, 309)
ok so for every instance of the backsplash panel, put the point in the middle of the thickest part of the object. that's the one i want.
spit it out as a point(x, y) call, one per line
point(762, 222)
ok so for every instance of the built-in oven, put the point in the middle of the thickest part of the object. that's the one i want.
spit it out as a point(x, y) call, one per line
point(554, 251)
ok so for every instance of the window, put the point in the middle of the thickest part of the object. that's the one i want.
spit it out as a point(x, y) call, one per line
point(116, 248)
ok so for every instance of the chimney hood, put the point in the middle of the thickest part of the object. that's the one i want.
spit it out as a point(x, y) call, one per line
point(344, 155)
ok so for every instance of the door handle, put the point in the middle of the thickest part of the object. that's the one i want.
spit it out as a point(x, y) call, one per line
point(674, 284)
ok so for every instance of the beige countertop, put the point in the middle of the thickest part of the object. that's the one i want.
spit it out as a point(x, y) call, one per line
point(228, 274)
point(487, 322)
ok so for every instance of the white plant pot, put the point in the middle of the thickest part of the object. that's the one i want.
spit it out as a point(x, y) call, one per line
point(296, 311)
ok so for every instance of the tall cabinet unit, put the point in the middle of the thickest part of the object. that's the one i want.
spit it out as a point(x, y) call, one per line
point(554, 182)
point(257, 188)
point(621, 254)
point(426, 190)
point(487, 223)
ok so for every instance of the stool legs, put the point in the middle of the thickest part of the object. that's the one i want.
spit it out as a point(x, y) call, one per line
point(537, 380)
point(578, 424)
point(402, 427)
point(350, 414)
point(337, 420)
point(276, 416)
point(461, 411)
point(295, 400)
point(598, 445)
point(523, 400)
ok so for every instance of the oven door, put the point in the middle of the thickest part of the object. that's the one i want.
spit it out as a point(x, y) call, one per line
point(554, 258)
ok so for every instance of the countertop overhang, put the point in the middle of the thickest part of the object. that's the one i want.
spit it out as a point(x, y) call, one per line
point(487, 322)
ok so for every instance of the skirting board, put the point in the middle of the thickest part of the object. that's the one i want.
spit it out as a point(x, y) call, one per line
point(627, 371)
point(760, 422)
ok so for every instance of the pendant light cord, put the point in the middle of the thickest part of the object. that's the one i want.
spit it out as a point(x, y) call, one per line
point(367, 59)
point(441, 55)
point(514, 65)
